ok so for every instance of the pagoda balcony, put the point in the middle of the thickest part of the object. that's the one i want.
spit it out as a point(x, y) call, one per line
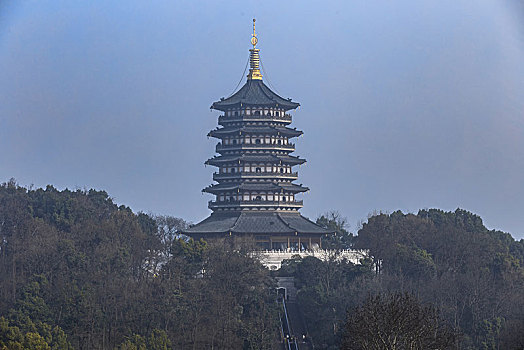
point(250, 174)
point(290, 147)
point(286, 118)
point(254, 204)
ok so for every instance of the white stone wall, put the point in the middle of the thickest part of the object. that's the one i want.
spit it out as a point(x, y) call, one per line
point(272, 259)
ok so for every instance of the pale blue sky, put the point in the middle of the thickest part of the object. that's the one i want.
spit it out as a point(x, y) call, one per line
point(405, 104)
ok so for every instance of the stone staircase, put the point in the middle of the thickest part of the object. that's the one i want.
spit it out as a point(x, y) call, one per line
point(297, 325)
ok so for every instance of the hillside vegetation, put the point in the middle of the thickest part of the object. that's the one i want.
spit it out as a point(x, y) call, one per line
point(78, 271)
point(474, 277)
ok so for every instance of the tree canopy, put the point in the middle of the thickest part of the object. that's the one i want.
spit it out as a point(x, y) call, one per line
point(78, 271)
point(471, 276)
point(396, 321)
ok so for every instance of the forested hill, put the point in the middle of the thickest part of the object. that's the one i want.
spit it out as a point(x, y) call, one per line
point(475, 276)
point(78, 271)
point(417, 244)
point(450, 260)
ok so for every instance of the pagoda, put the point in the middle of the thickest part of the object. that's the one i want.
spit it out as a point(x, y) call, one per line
point(255, 193)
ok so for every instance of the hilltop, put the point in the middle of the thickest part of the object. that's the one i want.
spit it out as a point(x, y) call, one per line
point(79, 271)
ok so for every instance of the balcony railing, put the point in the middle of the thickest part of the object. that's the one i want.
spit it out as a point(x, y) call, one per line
point(244, 174)
point(233, 118)
point(252, 146)
point(255, 203)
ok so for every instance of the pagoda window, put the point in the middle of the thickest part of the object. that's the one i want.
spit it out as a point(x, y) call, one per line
point(279, 142)
point(257, 141)
point(233, 170)
point(257, 112)
point(236, 114)
point(258, 198)
point(258, 170)
point(231, 199)
point(234, 142)
point(284, 198)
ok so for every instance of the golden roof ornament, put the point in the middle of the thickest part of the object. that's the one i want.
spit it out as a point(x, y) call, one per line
point(254, 39)
point(254, 58)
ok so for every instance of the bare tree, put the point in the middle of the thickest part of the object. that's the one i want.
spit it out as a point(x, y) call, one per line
point(396, 321)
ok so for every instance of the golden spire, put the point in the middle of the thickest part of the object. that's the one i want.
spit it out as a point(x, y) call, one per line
point(254, 58)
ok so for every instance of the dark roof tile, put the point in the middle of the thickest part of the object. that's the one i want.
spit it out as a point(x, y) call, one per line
point(261, 186)
point(256, 223)
point(256, 130)
point(254, 93)
point(254, 158)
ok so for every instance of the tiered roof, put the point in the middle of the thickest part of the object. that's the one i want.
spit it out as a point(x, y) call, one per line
point(257, 223)
point(255, 158)
point(256, 186)
point(254, 93)
point(266, 130)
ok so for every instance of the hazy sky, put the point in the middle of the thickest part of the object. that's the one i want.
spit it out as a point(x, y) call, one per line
point(405, 104)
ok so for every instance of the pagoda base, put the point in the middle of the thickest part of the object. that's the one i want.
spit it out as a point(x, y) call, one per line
point(275, 230)
point(272, 259)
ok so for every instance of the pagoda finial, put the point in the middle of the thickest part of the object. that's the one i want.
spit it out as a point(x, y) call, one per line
point(254, 39)
point(254, 58)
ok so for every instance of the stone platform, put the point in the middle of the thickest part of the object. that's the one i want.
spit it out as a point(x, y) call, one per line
point(272, 259)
